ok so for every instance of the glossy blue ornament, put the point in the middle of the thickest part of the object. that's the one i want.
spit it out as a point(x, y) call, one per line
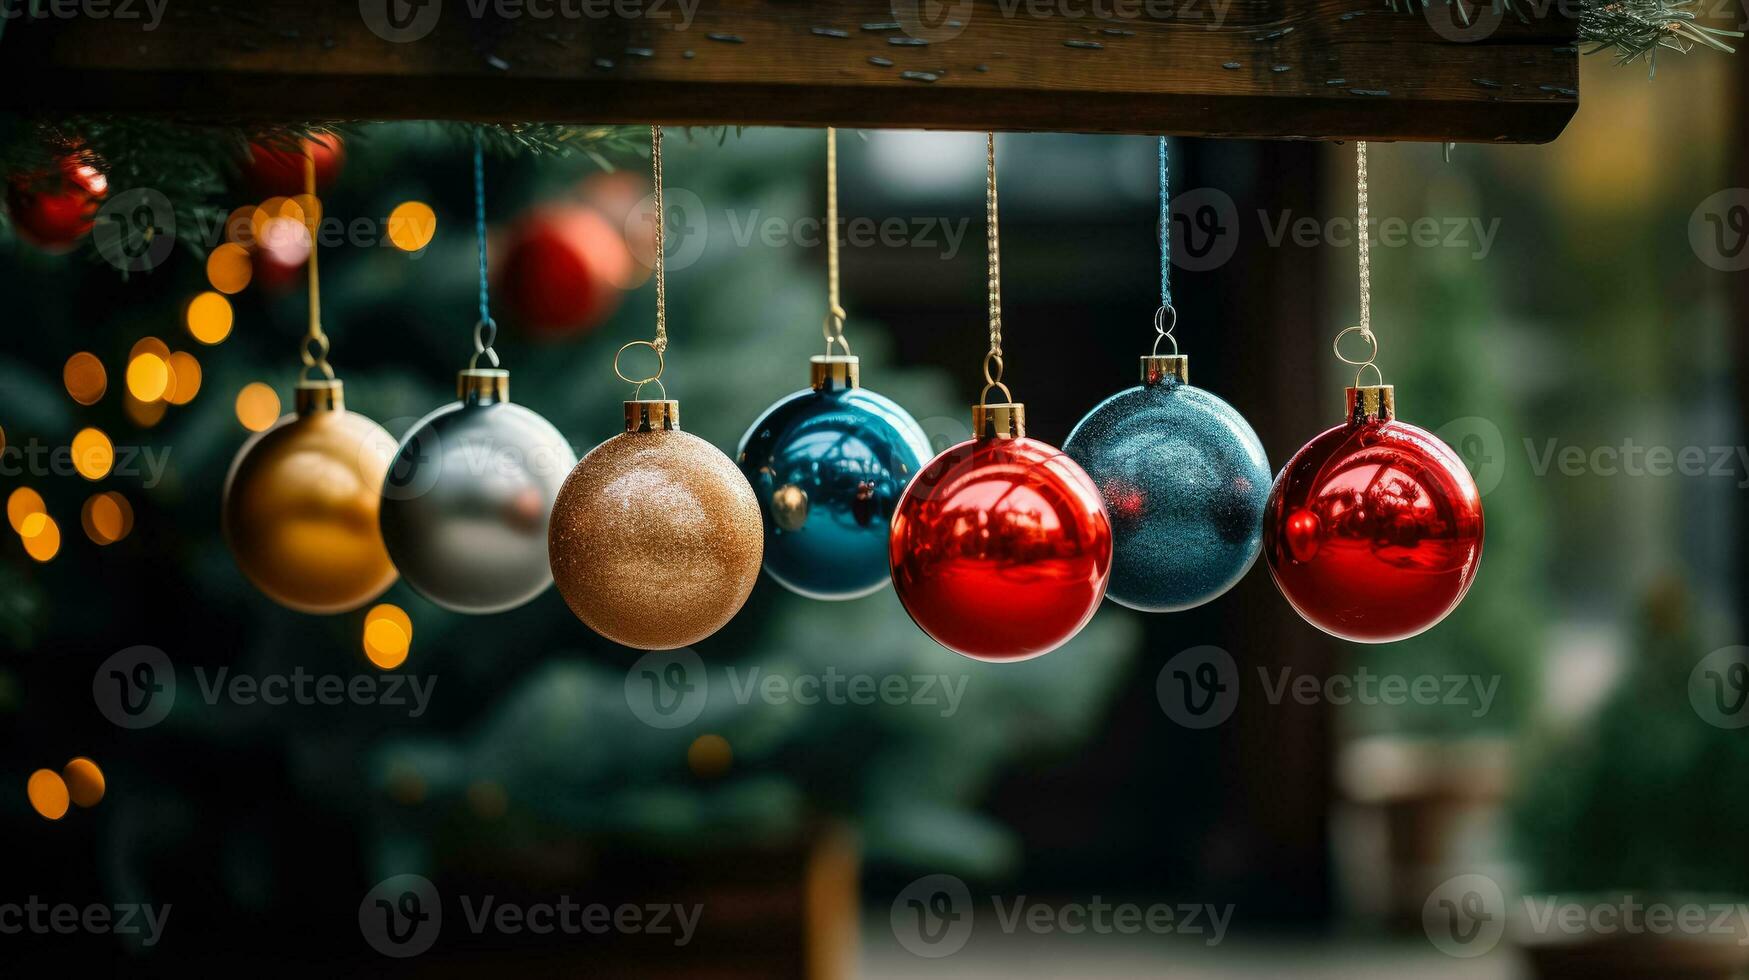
point(828, 465)
point(1185, 481)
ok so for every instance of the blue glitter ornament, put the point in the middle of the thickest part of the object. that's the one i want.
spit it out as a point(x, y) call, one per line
point(1185, 480)
point(828, 465)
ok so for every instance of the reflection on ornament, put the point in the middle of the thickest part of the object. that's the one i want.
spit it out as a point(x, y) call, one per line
point(465, 505)
point(1001, 547)
point(1184, 479)
point(655, 537)
point(1374, 530)
point(53, 211)
point(301, 501)
point(828, 464)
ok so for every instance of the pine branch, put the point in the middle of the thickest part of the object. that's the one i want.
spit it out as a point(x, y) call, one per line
point(1634, 29)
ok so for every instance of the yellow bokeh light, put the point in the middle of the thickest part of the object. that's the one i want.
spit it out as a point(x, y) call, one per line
point(48, 794)
point(185, 378)
point(709, 756)
point(257, 406)
point(103, 519)
point(268, 210)
point(20, 505)
point(33, 525)
point(412, 225)
point(388, 635)
point(209, 318)
point(85, 783)
point(229, 268)
point(148, 376)
point(85, 378)
point(46, 542)
point(93, 453)
point(305, 208)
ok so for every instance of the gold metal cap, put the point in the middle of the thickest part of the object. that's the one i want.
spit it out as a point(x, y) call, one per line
point(999, 420)
point(834, 371)
point(319, 396)
point(483, 385)
point(1372, 401)
point(1158, 368)
point(652, 415)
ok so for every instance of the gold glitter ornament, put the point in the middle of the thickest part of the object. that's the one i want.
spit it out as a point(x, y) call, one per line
point(300, 505)
point(655, 538)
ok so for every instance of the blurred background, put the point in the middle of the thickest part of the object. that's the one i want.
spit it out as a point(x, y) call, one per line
point(1575, 318)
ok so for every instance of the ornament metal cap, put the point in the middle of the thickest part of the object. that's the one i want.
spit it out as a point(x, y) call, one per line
point(483, 386)
point(828, 371)
point(1159, 368)
point(319, 396)
point(1371, 401)
point(653, 415)
point(999, 420)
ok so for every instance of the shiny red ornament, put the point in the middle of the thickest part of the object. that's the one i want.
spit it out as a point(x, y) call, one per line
point(1373, 531)
point(279, 170)
point(53, 211)
point(564, 269)
point(1001, 548)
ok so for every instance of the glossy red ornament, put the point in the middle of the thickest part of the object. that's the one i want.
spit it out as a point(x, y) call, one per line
point(279, 170)
point(1373, 531)
point(564, 269)
point(53, 211)
point(1001, 548)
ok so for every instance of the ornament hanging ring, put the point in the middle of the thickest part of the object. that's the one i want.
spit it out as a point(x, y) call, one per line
point(1163, 328)
point(638, 392)
point(1366, 334)
point(993, 379)
point(640, 382)
point(485, 335)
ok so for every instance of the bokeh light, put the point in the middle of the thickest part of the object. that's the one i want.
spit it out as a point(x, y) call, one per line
point(148, 376)
point(209, 318)
point(42, 540)
point(240, 226)
point(412, 225)
point(84, 781)
point(106, 517)
point(257, 406)
point(709, 756)
point(228, 268)
point(93, 453)
point(388, 635)
point(143, 414)
point(85, 378)
point(48, 794)
point(285, 241)
point(22, 503)
point(184, 378)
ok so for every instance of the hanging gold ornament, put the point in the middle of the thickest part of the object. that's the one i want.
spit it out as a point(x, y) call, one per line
point(655, 538)
point(300, 506)
point(301, 499)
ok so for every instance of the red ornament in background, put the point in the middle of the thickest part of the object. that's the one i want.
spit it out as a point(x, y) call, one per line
point(624, 199)
point(564, 269)
point(276, 170)
point(1373, 531)
point(1001, 547)
point(53, 211)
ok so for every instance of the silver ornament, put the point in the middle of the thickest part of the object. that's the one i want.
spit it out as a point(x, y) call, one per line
point(466, 501)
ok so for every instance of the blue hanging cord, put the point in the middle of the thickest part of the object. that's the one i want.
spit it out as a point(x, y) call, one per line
point(1166, 317)
point(485, 331)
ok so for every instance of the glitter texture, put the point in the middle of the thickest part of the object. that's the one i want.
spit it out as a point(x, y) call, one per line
point(1184, 479)
point(465, 506)
point(655, 539)
point(300, 511)
point(828, 467)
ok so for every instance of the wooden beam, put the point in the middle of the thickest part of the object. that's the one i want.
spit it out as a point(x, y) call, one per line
point(1291, 69)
